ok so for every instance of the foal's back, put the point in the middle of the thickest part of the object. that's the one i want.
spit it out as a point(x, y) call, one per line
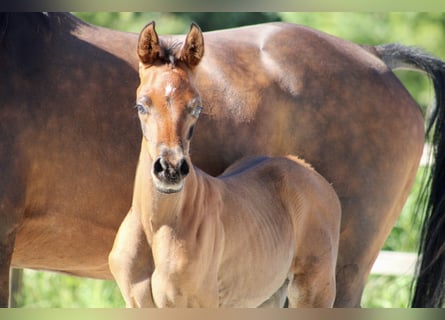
point(287, 217)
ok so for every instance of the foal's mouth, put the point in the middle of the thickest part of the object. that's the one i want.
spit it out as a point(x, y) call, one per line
point(168, 187)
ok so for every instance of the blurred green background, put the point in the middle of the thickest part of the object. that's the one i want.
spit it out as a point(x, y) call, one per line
point(425, 30)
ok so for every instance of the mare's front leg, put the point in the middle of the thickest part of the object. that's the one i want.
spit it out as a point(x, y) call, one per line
point(6, 247)
point(131, 263)
point(11, 213)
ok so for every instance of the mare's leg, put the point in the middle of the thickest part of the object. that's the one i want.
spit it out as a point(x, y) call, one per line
point(9, 218)
point(6, 248)
point(131, 263)
point(11, 213)
point(362, 238)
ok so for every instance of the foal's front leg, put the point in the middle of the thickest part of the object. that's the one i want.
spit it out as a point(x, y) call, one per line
point(314, 288)
point(131, 263)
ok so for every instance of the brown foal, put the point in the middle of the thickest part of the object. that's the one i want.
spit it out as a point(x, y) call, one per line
point(266, 229)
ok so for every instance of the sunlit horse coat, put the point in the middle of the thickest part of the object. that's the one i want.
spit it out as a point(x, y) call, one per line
point(265, 229)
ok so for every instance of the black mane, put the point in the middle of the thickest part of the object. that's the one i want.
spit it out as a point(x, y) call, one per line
point(37, 21)
point(34, 23)
point(24, 37)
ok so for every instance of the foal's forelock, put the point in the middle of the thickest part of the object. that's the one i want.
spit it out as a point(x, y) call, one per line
point(170, 50)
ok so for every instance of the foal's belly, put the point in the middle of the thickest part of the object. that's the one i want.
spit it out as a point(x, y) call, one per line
point(252, 285)
point(251, 273)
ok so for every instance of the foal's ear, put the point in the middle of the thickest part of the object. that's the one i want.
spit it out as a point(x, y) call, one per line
point(193, 49)
point(148, 44)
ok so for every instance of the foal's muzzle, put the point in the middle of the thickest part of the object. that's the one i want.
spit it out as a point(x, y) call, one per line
point(169, 173)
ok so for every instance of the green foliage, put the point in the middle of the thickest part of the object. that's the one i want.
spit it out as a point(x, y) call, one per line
point(387, 292)
point(209, 21)
point(53, 290)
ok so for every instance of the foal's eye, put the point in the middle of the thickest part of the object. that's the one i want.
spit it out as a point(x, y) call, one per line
point(141, 109)
point(190, 134)
point(196, 111)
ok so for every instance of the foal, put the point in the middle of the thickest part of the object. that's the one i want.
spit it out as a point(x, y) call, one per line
point(265, 229)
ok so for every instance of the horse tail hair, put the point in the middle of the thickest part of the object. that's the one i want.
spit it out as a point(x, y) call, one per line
point(428, 287)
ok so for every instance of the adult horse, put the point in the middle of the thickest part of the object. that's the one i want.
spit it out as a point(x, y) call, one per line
point(68, 136)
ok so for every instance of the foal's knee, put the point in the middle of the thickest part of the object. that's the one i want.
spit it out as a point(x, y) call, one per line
point(114, 262)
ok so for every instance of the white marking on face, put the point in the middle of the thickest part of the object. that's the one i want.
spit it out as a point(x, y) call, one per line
point(169, 90)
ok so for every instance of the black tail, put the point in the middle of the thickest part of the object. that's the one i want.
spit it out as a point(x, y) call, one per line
point(429, 284)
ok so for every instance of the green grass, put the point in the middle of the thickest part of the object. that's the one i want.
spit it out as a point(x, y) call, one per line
point(46, 289)
point(53, 290)
point(387, 292)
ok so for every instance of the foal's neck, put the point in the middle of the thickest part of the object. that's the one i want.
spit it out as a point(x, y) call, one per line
point(171, 209)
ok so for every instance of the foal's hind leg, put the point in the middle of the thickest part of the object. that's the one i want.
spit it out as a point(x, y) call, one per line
point(278, 299)
point(131, 263)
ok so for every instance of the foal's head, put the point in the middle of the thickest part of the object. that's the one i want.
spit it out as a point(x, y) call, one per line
point(168, 103)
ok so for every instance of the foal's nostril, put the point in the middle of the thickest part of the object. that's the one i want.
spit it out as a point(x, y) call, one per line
point(159, 166)
point(184, 167)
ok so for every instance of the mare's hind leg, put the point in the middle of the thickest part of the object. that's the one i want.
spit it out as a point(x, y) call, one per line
point(131, 263)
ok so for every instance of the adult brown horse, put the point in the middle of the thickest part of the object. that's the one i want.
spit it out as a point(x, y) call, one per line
point(203, 234)
point(68, 136)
